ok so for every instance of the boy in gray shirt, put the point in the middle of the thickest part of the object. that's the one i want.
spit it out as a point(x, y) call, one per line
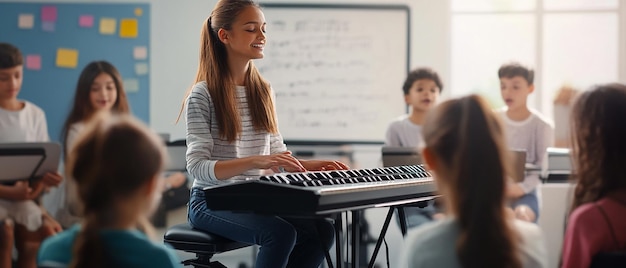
point(421, 88)
point(525, 129)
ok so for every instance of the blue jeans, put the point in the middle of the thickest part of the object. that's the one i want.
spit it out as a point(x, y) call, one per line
point(285, 242)
point(530, 199)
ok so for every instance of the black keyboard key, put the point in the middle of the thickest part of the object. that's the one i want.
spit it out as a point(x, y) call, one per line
point(326, 182)
point(335, 174)
point(298, 183)
point(320, 175)
point(353, 173)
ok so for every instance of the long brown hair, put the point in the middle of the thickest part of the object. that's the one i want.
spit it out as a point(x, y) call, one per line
point(113, 158)
point(213, 69)
point(599, 142)
point(82, 108)
point(466, 138)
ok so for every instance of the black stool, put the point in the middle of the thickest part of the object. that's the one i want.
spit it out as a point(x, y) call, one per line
point(204, 245)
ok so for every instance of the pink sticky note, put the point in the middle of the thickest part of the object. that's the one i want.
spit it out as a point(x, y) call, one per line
point(47, 26)
point(49, 13)
point(85, 21)
point(33, 62)
point(140, 53)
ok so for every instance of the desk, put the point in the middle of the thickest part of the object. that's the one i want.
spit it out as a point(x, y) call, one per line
point(555, 202)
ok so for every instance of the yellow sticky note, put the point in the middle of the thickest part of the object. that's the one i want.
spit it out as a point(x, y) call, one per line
point(67, 58)
point(107, 25)
point(128, 28)
point(138, 12)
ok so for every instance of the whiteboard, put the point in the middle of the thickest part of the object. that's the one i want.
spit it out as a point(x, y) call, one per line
point(337, 70)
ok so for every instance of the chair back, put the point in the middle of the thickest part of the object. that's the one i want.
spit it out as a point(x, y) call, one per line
point(612, 259)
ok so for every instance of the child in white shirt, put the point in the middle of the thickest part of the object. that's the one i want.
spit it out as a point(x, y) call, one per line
point(21, 121)
point(527, 130)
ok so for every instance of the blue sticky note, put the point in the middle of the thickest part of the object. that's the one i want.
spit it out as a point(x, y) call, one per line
point(47, 26)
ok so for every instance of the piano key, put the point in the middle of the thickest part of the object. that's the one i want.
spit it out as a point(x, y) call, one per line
point(353, 173)
point(335, 174)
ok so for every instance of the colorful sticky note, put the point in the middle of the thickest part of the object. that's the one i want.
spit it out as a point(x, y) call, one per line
point(25, 21)
point(107, 25)
point(141, 68)
point(140, 53)
point(138, 12)
point(47, 26)
point(49, 13)
point(67, 58)
point(85, 21)
point(33, 62)
point(131, 85)
point(128, 28)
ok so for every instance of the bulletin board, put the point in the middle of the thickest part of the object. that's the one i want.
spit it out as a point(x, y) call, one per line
point(58, 40)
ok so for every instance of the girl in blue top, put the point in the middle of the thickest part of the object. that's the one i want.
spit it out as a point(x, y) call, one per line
point(232, 133)
point(116, 163)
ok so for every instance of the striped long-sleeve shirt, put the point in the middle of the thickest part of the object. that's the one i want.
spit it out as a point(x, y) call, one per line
point(205, 146)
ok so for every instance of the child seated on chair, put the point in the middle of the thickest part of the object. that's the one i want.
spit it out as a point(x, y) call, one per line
point(421, 88)
point(525, 129)
point(21, 121)
point(99, 88)
point(116, 163)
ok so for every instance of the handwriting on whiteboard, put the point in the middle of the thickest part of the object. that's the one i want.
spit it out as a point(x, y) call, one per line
point(332, 75)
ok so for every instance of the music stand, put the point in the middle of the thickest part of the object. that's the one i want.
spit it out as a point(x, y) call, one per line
point(400, 156)
point(28, 161)
point(176, 151)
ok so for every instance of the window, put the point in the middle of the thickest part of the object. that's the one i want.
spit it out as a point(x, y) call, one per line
point(480, 44)
point(582, 5)
point(566, 42)
point(494, 5)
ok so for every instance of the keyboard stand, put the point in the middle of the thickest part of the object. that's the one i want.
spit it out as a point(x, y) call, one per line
point(383, 231)
point(402, 217)
point(356, 236)
point(338, 242)
point(381, 237)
